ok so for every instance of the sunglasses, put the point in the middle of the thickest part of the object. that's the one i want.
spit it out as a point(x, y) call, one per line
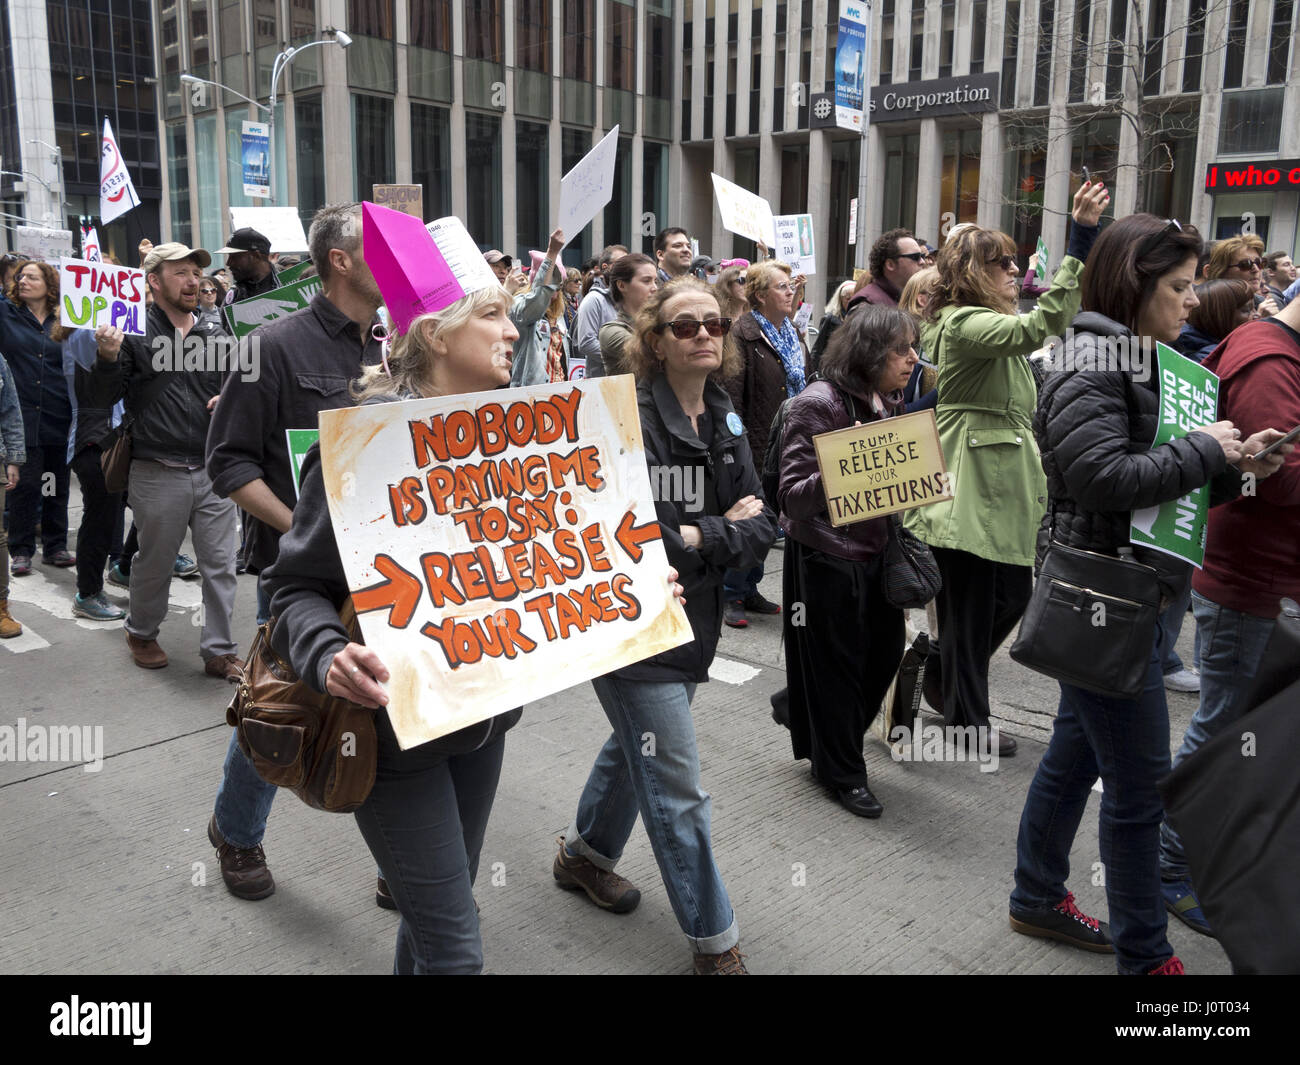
point(1006, 262)
point(1247, 264)
point(686, 328)
point(915, 256)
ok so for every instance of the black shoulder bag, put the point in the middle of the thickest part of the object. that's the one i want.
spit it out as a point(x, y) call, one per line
point(115, 459)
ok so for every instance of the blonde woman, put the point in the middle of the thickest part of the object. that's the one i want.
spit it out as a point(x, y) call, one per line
point(836, 307)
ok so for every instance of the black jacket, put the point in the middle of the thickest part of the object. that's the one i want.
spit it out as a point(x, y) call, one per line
point(1094, 429)
point(36, 362)
point(244, 290)
point(174, 427)
point(723, 472)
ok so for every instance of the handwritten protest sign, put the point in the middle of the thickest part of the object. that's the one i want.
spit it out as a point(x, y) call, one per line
point(882, 467)
point(500, 547)
point(409, 199)
point(1189, 397)
point(300, 442)
point(586, 188)
point(95, 294)
point(794, 242)
point(44, 244)
point(280, 225)
point(743, 212)
point(246, 315)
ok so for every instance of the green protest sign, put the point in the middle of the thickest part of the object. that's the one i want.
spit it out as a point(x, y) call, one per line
point(246, 315)
point(300, 442)
point(1189, 398)
point(293, 273)
point(1043, 275)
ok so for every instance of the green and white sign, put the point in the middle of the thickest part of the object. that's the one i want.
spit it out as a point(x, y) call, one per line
point(1043, 275)
point(246, 315)
point(300, 442)
point(1189, 397)
point(293, 273)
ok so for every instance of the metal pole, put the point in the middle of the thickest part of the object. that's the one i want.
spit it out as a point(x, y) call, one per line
point(863, 152)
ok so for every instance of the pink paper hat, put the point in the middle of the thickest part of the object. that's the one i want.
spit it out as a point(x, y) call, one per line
point(411, 273)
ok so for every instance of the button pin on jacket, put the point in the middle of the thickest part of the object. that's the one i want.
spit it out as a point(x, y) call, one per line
point(735, 424)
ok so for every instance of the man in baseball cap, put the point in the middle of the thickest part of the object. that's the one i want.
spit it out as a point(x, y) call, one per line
point(174, 252)
point(249, 259)
point(500, 263)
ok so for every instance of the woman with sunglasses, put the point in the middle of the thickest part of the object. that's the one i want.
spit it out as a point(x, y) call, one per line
point(983, 538)
point(212, 294)
point(1241, 258)
point(773, 367)
point(713, 518)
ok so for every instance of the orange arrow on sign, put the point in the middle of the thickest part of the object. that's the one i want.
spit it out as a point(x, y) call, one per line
point(401, 592)
point(630, 537)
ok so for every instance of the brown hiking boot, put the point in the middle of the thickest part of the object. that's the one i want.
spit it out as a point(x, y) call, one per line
point(227, 667)
point(147, 653)
point(606, 889)
point(8, 627)
point(728, 963)
point(244, 871)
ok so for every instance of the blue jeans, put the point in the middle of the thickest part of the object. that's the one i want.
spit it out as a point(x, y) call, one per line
point(263, 603)
point(1126, 742)
point(243, 800)
point(1232, 647)
point(741, 583)
point(650, 765)
point(1168, 627)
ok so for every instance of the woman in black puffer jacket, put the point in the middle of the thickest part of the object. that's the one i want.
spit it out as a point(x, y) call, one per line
point(1095, 428)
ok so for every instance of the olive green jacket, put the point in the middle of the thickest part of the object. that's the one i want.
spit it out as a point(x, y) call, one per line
point(987, 397)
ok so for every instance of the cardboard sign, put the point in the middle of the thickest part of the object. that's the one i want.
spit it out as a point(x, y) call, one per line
point(48, 245)
point(300, 442)
point(794, 242)
point(246, 315)
point(500, 547)
point(116, 191)
point(256, 140)
point(280, 225)
point(744, 213)
point(882, 467)
point(586, 188)
point(409, 199)
point(95, 294)
point(1189, 397)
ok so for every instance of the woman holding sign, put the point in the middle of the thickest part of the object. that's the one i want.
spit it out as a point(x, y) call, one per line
point(712, 517)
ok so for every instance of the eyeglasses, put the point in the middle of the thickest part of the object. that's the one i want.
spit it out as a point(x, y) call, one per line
point(741, 279)
point(1247, 264)
point(1006, 262)
point(686, 328)
point(915, 256)
point(784, 286)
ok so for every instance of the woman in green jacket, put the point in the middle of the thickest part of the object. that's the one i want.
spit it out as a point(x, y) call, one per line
point(984, 536)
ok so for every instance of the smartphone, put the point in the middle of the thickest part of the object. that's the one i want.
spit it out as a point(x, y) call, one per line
point(1086, 178)
point(1278, 443)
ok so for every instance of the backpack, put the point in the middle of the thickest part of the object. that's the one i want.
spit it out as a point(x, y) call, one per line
point(771, 473)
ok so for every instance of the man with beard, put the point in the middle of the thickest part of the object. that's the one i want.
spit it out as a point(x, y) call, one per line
point(249, 261)
point(169, 407)
point(303, 364)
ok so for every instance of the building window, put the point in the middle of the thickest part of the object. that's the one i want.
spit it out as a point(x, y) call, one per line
point(1079, 50)
point(946, 34)
point(887, 12)
point(794, 179)
point(532, 35)
point(1024, 171)
point(620, 39)
point(532, 182)
point(1280, 41)
point(618, 212)
point(483, 174)
point(309, 133)
point(747, 178)
point(1251, 121)
point(654, 190)
point(1116, 52)
point(431, 24)
point(1193, 53)
point(1043, 58)
point(1169, 167)
point(372, 58)
point(978, 36)
point(918, 42)
point(902, 163)
point(1010, 50)
point(659, 56)
point(843, 189)
point(428, 58)
point(372, 143)
point(1154, 59)
point(959, 185)
point(207, 155)
point(1235, 54)
point(371, 18)
point(579, 33)
point(483, 30)
point(431, 157)
point(179, 180)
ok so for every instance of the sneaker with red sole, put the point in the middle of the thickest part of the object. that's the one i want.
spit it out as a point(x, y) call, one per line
point(1067, 923)
point(1173, 967)
point(733, 613)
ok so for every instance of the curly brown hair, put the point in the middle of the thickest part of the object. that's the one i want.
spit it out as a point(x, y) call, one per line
point(964, 279)
point(639, 355)
point(51, 278)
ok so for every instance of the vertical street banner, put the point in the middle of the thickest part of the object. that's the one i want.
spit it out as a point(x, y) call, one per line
point(255, 139)
point(499, 547)
point(116, 190)
point(851, 65)
point(794, 242)
point(1189, 397)
point(90, 245)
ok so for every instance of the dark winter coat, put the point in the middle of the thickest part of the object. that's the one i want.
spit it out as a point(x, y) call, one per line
point(759, 389)
point(36, 362)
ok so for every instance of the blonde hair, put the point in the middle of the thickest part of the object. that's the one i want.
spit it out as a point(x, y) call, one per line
point(919, 284)
point(760, 276)
point(639, 355)
point(1226, 253)
point(732, 306)
point(410, 359)
point(839, 302)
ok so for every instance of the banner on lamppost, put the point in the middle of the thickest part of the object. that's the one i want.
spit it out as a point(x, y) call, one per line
point(851, 62)
point(256, 141)
point(116, 191)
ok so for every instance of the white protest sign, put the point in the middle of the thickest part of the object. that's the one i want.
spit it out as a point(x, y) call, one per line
point(90, 245)
point(794, 242)
point(802, 317)
point(744, 213)
point(116, 191)
point(461, 254)
point(499, 547)
point(95, 294)
point(280, 225)
point(586, 188)
point(45, 244)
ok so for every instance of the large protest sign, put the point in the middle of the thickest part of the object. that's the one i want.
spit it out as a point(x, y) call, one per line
point(744, 213)
point(47, 245)
point(255, 139)
point(280, 225)
point(409, 199)
point(293, 273)
point(246, 315)
point(794, 242)
point(116, 191)
point(300, 441)
point(500, 547)
point(1189, 398)
point(586, 188)
point(882, 467)
point(850, 64)
point(95, 294)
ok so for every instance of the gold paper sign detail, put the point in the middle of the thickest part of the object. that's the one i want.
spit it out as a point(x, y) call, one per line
point(882, 467)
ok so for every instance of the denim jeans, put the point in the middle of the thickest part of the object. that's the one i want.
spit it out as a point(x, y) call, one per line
point(1168, 626)
point(650, 765)
point(1232, 647)
point(424, 823)
point(1126, 742)
point(243, 800)
point(263, 603)
point(741, 583)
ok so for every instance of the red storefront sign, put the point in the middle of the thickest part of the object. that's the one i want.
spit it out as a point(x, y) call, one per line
point(1252, 176)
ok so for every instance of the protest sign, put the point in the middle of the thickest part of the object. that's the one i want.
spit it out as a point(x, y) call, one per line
point(44, 244)
point(409, 199)
point(280, 225)
point(246, 315)
point(1043, 274)
point(794, 242)
point(293, 273)
point(802, 317)
point(577, 369)
point(256, 140)
point(850, 64)
point(90, 245)
point(1189, 397)
point(116, 191)
point(744, 213)
point(499, 547)
point(95, 294)
point(882, 467)
point(420, 269)
point(853, 220)
point(586, 188)
point(300, 442)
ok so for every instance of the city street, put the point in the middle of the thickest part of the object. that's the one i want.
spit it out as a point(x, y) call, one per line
point(111, 871)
